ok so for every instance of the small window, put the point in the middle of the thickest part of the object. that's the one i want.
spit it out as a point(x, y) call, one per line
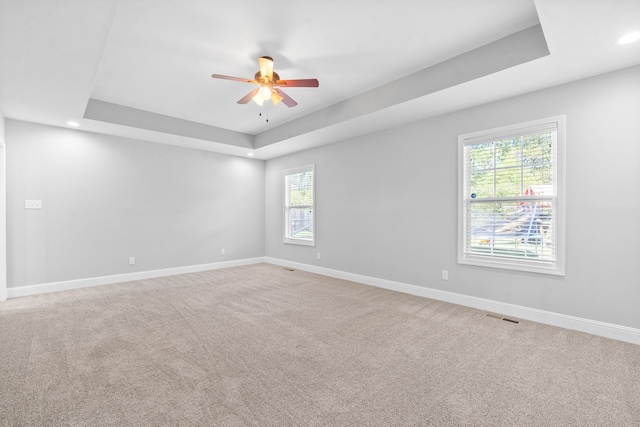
point(299, 216)
point(511, 197)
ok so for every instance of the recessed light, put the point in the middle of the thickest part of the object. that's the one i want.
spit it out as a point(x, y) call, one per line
point(250, 154)
point(72, 123)
point(630, 38)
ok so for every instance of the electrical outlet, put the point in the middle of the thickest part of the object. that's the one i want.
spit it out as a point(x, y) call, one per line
point(223, 252)
point(318, 255)
point(132, 260)
point(445, 275)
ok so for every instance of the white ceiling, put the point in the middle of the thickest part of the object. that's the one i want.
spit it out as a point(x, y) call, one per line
point(141, 68)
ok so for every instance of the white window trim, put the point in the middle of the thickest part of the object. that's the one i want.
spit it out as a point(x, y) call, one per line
point(292, 171)
point(555, 268)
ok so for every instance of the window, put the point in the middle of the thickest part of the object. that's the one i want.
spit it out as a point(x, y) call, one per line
point(511, 197)
point(298, 206)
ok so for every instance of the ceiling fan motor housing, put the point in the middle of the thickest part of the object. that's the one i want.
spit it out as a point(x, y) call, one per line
point(257, 77)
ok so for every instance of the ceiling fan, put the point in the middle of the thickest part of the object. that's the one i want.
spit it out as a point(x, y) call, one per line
point(269, 85)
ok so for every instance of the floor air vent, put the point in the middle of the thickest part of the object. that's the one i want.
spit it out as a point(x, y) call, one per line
point(506, 319)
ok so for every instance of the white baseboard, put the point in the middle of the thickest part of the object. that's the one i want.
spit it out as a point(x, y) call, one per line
point(3, 294)
point(44, 288)
point(594, 327)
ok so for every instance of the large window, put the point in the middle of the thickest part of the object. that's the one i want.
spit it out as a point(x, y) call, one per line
point(298, 206)
point(511, 197)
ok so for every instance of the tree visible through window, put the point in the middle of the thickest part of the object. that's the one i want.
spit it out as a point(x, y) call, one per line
point(299, 202)
point(511, 198)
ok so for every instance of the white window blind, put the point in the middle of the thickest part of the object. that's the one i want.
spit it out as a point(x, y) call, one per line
point(299, 215)
point(511, 197)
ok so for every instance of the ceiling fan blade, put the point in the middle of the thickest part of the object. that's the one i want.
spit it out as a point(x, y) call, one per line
point(249, 96)
point(288, 101)
point(299, 83)
point(266, 67)
point(237, 79)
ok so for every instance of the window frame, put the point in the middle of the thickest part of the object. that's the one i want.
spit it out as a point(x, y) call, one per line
point(287, 208)
point(556, 267)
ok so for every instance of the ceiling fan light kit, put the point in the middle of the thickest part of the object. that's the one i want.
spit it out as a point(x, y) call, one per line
point(269, 84)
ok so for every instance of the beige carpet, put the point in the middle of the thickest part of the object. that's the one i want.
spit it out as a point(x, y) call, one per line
point(263, 346)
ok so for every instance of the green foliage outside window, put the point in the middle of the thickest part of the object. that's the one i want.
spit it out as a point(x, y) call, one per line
point(508, 167)
point(301, 190)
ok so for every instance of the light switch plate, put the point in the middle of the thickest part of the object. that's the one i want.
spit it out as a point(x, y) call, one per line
point(33, 204)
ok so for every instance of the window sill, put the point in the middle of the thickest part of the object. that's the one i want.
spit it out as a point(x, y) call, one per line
point(300, 242)
point(552, 268)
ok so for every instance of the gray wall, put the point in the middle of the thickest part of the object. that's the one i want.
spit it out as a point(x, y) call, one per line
point(108, 198)
point(3, 219)
point(387, 203)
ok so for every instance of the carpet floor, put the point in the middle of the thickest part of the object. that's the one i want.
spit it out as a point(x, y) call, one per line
point(260, 345)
